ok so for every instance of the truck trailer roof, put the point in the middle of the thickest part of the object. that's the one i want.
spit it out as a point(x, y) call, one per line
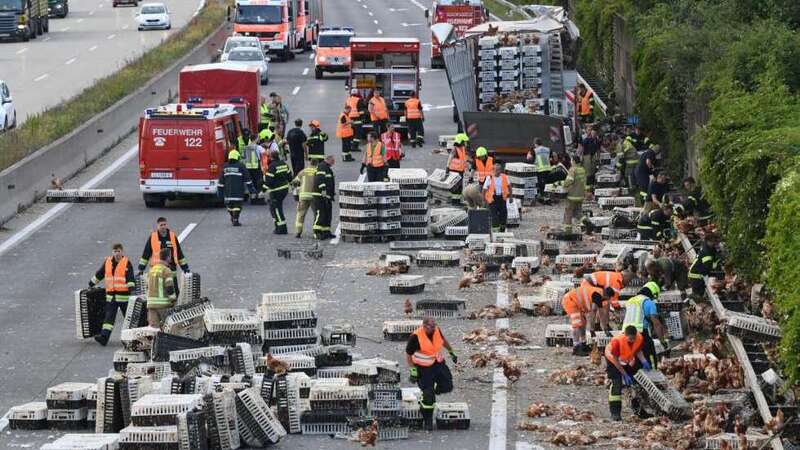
point(189, 111)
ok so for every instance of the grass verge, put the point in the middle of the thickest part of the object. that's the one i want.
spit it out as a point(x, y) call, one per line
point(53, 123)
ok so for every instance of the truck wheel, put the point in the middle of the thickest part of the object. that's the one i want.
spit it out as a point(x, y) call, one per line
point(291, 54)
point(154, 200)
point(26, 37)
point(318, 73)
point(283, 56)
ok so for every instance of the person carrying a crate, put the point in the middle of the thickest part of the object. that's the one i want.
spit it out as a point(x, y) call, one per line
point(427, 367)
point(457, 162)
point(624, 357)
point(117, 275)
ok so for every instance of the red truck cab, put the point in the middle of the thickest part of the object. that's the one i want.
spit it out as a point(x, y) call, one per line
point(461, 14)
point(182, 148)
point(283, 26)
point(218, 83)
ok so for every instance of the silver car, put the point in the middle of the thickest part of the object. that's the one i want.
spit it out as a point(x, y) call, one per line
point(250, 57)
point(239, 41)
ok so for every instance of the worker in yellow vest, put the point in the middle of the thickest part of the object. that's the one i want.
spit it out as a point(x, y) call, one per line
point(414, 119)
point(344, 131)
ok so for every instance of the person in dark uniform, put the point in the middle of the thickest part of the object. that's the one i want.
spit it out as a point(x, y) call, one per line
point(427, 366)
point(233, 180)
point(117, 275)
point(325, 185)
point(276, 184)
point(296, 139)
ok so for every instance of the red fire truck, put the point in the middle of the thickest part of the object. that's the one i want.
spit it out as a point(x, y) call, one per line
point(461, 14)
point(210, 84)
point(284, 26)
point(182, 149)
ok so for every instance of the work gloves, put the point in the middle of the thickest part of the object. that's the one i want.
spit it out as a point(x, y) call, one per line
point(646, 365)
point(626, 379)
point(454, 357)
point(413, 375)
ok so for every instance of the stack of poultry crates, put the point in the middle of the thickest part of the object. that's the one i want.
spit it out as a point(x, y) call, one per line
point(507, 65)
point(67, 406)
point(289, 318)
point(369, 211)
point(413, 202)
point(442, 184)
point(522, 177)
point(531, 58)
point(488, 69)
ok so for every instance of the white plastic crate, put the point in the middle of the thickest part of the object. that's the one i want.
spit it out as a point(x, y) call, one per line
point(149, 435)
point(389, 226)
point(358, 213)
point(244, 351)
point(156, 370)
point(530, 262)
point(328, 429)
point(224, 411)
point(607, 192)
point(457, 231)
point(674, 327)
point(608, 177)
point(360, 202)
point(400, 327)
point(439, 224)
point(612, 255)
point(298, 362)
point(333, 393)
point(376, 363)
point(190, 288)
point(500, 249)
point(452, 415)
point(438, 258)
point(477, 241)
point(329, 382)
point(555, 189)
point(138, 339)
point(84, 441)
point(280, 315)
point(408, 176)
point(28, 411)
point(753, 327)
point(259, 418)
point(221, 320)
point(612, 202)
point(575, 259)
point(303, 349)
point(297, 333)
point(68, 392)
point(754, 440)
point(67, 415)
point(437, 179)
point(406, 281)
point(152, 405)
point(177, 356)
point(359, 227)
point(294, 297)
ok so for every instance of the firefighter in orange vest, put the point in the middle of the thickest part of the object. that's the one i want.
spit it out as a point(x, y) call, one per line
point(414, 119)
point(581, 305)
point(457, 162)
point(344, 131)
point(378, 112)
point(393, 143)
point(497, 191)
point(358, 110)
point(483, 164)
point(427, 367)
point(374, 159)
point(584, 99)
point(609, 279)
point(624, 357)
point(162, 237)
point(117, 275)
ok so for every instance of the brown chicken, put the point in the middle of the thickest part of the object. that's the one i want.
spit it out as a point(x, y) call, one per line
point(369, 436)
point(539, 409)
point(55, 183)
point(511, 371)
point(276, 366)
point(408, 307)
point(596, 357)
point(775, 424)
point(505, 273)
point(516, 306)
point(465, 282)
point(524, 275)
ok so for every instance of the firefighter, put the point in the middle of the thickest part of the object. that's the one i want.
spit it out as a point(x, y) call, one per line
point(645, 170)
point(252, 155)
point(576, 185)
point(414, 119)
point(483, 164)
point(583, 305)
point(496, 191)
point(265, 114)
point(315, 145)
point(162, 290)
point(233, 180)
point(624, 357)
point(296, 140)
point(117, 275)
point(707, 260)
point(585, 105)
point(325, 188)
point(276, 185)
point(457, 162)
point(374, 159)
point(305, 179)
point(243, 140)
point(378, 112)
point(628, 161)
point(657, 224)
point(162, 237)
point(344, 131)
point(427, 366)
point(641, 312)
point(696, 203)
point(280, 113)
point(393, 143)
point(358, 109)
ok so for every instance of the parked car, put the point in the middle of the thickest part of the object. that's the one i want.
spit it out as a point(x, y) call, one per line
point(58, 8)
point(239, 41)
point(153, 16)
point(8, 115)
point(250, 57)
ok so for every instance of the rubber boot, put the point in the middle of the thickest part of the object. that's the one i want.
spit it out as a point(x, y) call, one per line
point(427, 419)
point(236, 218)
point(616, 410)
point(101, 339)
point(233, 217)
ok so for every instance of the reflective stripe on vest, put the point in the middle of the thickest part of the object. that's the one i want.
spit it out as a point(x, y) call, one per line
point(634, 312)
point(115, 278)
point(542, 158)
point(503, 184)
point(412, 109)
point(156, 294)
point(430, 351)
point(379, 111)
point(155, 246)
point(344, 130)
point(484, 169)
point(627, 352)
point(458, 163)
point(250, 157)
point(374, 154)
point(266, 114)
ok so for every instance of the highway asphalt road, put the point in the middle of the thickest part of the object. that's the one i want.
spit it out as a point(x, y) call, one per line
point(93, 41)
point(37, 331)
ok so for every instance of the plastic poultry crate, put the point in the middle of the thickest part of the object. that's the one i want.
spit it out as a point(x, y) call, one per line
point(109, 405)
point(89, 311)
point(221, 420)
point(136, 315)
point(407, 284)
point(312, 251)
point(441, 180)
point(753, 327)
point(183, 360)
point(67, 419)
point(576, 259)
point(187, 319)
point(164, 343)
point(558, 335)
point(80, 196)
point(456, 232)
point(398, 330)
point(674, 326)
point(607, 192)
point(258, 418)
point(138, 339)
point(731, 440)
point(192, 431)
point(338, 335)
point(222, 320)
point(303, 349)
point(440, 308)
point(123, 357)
point(613, 202)
point(190, 288)
point(662, 394)
point(529, 262)
point(163, 409)
point(438, 225)
point(477, 242)
point(241, 359)
point(354, 202)
point(452, 416)
point(67, 395)
point(438, 258)
point(30, 416)
point(138, 438)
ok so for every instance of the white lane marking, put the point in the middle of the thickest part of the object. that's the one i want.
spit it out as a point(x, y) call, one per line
point(497, 431)
point(4, 420)
point(42, 220)
point(305, 71)
point(369, 13)
point(79, 20)
point(311, 56)
point(380, 31)
point(92, 48)
point(398, 9)
point(125, 27)
point(427, 107)
point(375, 22)
point(41, 77)
point(70, 61)
point(295, 90)
point(200, 5)
point(364, 6)
point(410, 24)
point(186, 232)
point(111, 36)
point(22, 50)
point(418, 4)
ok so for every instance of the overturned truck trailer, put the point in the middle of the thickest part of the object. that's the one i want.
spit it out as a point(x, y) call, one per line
point(508, 81)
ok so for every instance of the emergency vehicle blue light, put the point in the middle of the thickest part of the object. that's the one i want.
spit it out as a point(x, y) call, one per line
point(195, 99)
point(189, 106)
point(205, 112)
point(149, 111)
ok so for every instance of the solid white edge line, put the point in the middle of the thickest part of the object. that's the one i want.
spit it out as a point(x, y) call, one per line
point(305, 71)
point(380, 31)
point(42, 220)
point(499, 419)
point(311, 56)
point(186, 232)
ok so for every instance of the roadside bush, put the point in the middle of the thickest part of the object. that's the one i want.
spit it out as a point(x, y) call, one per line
point(56, 122)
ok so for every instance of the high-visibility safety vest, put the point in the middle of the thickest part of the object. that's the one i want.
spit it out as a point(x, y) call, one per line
point(458, 161)
point(115, 276)
point(413, 110)
point(352, 102)
point(379, 111)
point(430, 350)
point(157, 296)
point(577, 183)
point(307, 191)
point(241, 144)
point(627, 351)
point(634, 312)
point(585, 106)
point(484, 169)
point(250, 156)
point(155, 245)
point(344, 130)
point(391, 142)
point(376, 154)
point(506, 192)
point(542, 158)
point(266, 113)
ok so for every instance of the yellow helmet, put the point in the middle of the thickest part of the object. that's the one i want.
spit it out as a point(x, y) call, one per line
point(481, 151)
point(265, 134)
point(234, 155)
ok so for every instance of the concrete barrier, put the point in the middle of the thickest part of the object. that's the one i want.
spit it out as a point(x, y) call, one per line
point(28, 180)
